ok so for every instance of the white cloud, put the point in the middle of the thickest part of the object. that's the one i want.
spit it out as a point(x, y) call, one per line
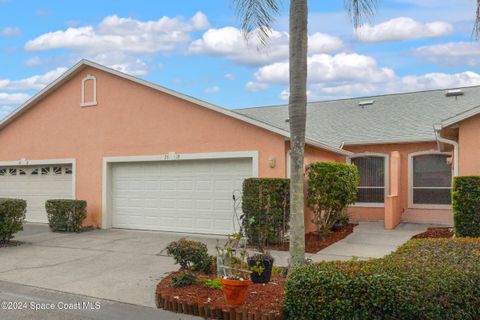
point(323, 67)
point(9, 99)
point(451, 54)
point(402, 28)
point(229, 76)
point(122, 34)
point(229, 42)
point(10, 32)
point(36, 82)
point(213, 89)
point(346, 75)
point(33, 62)
point(122, 43)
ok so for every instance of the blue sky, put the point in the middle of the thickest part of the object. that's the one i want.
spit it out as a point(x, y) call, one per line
point(195, 47)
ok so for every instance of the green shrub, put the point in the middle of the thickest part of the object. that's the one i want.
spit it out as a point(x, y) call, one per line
point(183, 280)
point(332, 187)
point(12, 215)
point(212, 283)
point(466, 206)
point(266, 210)
point(66, 215)
point(423, 279)
point(191, 255)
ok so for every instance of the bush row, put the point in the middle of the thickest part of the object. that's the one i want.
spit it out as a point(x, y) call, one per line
point(63, 215)
point(12, 215)
point(466, 206)
point(266, 210)
point(423, 279)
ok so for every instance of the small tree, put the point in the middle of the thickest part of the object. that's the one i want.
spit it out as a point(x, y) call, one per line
point(331, 188)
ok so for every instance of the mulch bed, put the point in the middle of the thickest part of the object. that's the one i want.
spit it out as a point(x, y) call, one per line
point(435, 233)
point(313, 244)
point(264, 301)
point(11, 243)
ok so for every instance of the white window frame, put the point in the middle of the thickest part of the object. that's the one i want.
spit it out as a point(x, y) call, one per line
point(410, 181)
point(89, 77)
point(387, 178)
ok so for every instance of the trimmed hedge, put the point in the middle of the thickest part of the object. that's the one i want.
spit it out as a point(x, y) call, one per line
point(466, 206)
point(12, 216)
point(66, 215)
point(266, 210)
point(423, 279)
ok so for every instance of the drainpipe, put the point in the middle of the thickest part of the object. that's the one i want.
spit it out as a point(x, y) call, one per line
point(453, 143)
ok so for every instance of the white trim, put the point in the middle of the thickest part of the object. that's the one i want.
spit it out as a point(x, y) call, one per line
point(387, 177)
point(410, 182)
point(391, 141)
point(460, 117)
point(288, 171)
point(171, 156)
point(454, 144)
point(90, 103)
point(25, 162)
point(85, 63)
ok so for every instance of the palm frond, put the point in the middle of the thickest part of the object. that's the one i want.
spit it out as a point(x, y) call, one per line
point(361, 11)
point(476, 27)
point(258, 16)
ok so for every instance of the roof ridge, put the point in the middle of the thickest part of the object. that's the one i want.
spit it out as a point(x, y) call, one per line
point(362, 97)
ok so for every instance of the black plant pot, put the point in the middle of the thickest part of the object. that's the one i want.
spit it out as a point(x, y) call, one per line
point(265, 276)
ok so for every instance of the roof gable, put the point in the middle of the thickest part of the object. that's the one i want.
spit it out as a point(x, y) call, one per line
point(85, 63)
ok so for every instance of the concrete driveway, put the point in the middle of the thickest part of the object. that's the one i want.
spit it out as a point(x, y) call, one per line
point(126, 265)
point(120, 265)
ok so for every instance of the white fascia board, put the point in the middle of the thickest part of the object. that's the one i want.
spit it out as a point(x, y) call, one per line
point(460, 117)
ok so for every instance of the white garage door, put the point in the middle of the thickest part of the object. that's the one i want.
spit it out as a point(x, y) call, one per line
point(36, 184)
point(184, 196)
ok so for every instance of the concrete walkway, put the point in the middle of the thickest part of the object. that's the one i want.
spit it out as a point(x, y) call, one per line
point(370, 240)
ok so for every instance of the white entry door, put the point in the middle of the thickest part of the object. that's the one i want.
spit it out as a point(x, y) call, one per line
point(183, 196)
point(36, 185)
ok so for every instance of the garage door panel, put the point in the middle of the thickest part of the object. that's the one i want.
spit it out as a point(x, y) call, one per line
point(36, 188)
point(184, 196)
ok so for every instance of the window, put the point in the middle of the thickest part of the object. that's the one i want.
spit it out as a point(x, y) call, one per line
point(57, 170)
point(431, 179)
point(45, 171)
point(371, 188)
point(3, 172)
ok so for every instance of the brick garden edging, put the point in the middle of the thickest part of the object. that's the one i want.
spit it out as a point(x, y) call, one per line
point(206, 311)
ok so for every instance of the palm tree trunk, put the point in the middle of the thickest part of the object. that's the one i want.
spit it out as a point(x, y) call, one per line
point(297, 107)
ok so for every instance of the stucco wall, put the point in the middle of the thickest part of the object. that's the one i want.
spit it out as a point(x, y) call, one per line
point(362, 213)
point(469, 147)
point(130, 119)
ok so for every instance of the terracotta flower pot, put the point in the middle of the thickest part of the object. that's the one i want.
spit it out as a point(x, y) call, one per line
point(235, 291)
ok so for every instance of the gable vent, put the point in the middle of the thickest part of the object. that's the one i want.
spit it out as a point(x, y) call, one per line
point(454, 93)
point(365, 103)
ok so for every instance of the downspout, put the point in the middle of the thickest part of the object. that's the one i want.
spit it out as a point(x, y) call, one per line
point(453, 143)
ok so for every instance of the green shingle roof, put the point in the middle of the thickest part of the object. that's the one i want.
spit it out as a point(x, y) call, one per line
point(403, 117)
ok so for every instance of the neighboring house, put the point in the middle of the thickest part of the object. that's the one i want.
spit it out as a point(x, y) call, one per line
point(146, 157)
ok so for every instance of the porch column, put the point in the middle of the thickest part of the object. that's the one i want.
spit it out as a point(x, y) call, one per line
point(392, 200)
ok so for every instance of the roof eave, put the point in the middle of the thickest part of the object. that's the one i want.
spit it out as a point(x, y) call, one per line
point(392, 141)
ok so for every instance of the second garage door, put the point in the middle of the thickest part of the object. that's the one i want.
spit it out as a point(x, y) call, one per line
point(183, 196)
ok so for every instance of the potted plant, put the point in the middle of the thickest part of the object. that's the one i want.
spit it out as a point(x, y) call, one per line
point(261, 265)
point(235, 280)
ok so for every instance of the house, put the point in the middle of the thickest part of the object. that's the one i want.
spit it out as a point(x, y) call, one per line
point(146, 157)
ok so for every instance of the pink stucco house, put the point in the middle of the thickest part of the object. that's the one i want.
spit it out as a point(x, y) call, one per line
point(146, 157)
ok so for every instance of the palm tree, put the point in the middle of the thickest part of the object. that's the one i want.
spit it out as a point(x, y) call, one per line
point(258, 16)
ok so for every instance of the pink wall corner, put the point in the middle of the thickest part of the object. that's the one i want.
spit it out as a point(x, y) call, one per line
point(469, 147)
point(393, 211)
